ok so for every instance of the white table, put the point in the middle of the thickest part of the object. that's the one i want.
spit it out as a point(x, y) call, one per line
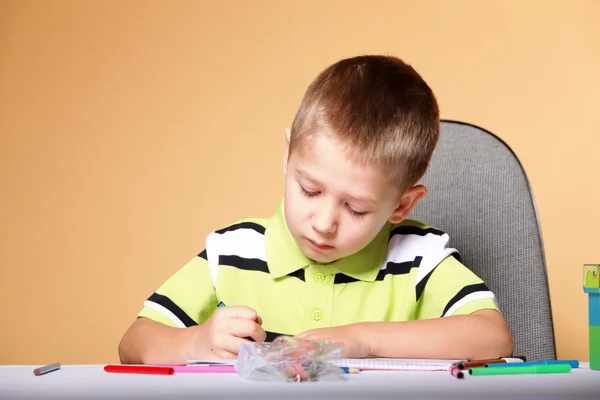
point(91, 382)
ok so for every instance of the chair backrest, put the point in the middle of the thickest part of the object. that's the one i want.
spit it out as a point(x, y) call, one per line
point(479, 194)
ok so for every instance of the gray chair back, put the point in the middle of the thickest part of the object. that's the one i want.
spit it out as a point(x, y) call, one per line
point(479, 194)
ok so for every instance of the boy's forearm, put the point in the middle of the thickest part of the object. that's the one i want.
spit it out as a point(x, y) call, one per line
point(150, 342)
point(481, 335)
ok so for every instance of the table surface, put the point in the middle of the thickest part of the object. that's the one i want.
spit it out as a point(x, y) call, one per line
point(91, 382)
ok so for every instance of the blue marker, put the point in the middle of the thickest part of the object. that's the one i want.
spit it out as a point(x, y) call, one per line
point(572, 363)
point(350, 370)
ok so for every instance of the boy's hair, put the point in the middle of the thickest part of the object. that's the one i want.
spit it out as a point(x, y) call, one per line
point(380, 108)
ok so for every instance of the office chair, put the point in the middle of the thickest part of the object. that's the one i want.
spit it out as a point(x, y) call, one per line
point(479, 194)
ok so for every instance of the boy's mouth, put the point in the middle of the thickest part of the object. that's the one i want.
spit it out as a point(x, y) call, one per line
point(320, 246)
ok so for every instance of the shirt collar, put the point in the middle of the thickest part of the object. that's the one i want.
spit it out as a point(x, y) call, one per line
point(284, 255)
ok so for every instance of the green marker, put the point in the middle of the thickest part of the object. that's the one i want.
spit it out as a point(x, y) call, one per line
point(530, 369)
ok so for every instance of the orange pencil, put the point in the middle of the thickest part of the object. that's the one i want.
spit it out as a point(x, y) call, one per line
point(480, 363)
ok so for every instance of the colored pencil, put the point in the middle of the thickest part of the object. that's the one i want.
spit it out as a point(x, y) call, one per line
point(46, 368)
point(532, 369)
point(480, 363)
point(140, 369)
point(206, 369)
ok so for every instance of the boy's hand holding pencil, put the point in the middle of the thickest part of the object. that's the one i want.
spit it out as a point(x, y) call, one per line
point(228, 327)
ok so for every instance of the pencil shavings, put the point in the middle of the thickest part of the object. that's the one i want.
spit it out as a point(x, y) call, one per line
point(289, 359)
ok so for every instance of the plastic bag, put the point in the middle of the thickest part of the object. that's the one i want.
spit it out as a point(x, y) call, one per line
point(289, 359)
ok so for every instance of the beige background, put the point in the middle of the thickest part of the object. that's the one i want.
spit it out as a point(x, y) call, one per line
point(129, 130)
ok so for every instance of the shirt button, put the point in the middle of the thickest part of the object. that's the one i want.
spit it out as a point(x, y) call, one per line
point(317, 314)
point(319, 277)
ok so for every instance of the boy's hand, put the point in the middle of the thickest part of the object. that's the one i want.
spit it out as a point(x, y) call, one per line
point(222, 334)
point(348, 336)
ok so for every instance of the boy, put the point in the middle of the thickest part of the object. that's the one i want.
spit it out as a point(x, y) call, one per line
point(338, 261)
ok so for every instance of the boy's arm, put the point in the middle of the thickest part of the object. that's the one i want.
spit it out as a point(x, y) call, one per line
point(477, 336)
point(165, 328)
point(181, 322)
point(455, 317)
point(150, 342)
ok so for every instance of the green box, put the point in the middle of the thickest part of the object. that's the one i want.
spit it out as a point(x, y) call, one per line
point(595, 347)
point(591, 286)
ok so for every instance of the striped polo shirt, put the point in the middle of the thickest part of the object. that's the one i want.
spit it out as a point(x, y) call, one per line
point(408, 272)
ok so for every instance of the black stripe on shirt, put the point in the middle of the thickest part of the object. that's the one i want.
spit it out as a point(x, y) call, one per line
point(414, 230)
point(298, 274)
point(248, 264)
point(243, 225)
point(421, 285)
point(341, 278)
point(477, 287)
point(174, 308)
point(457, 256)
point(391, 268)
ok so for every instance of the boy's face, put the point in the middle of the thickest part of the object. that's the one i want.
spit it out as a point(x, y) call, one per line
point(335, 207)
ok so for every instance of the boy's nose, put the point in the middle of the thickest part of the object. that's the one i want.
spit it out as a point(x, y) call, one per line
point(324, 220)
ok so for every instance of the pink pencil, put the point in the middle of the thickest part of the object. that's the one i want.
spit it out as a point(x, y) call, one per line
point(205, 369)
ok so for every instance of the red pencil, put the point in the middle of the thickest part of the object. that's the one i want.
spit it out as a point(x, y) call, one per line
point(139, 369)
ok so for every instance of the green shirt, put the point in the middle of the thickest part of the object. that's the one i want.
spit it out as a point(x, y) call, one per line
point(407, 272)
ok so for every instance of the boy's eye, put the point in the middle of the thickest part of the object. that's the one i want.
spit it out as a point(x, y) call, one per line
point(355, 213)
point(308, 193)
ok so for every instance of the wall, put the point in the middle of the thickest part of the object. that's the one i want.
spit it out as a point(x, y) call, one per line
point(129, 130)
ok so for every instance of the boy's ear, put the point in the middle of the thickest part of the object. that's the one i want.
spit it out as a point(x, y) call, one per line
point(286, 150)
point(407, 202)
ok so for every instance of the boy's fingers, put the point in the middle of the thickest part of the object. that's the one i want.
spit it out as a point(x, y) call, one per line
point(245, 328)
point(259, 334)
point(242, 312)
point(232, 346)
